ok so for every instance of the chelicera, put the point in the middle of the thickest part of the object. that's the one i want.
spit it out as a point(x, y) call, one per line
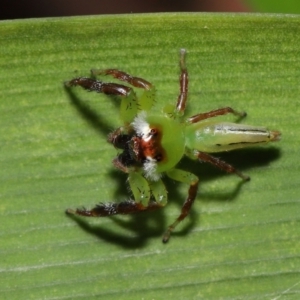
point(151, 145)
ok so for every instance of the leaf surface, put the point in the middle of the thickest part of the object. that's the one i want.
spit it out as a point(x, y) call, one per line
point(241, 241)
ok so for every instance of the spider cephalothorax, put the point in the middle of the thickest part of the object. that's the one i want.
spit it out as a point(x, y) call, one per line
point(152, 145)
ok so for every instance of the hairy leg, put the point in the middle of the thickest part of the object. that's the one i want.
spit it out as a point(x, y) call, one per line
point(109, 209)
point(147, 99)
point(192, 180)
point(215, 113)
point(122, 76)
point(220, 164)
point(129, 105)
point(183, 81)
point(99, 86)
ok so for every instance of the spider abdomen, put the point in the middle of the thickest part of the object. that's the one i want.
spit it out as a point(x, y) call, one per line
point(224, 136)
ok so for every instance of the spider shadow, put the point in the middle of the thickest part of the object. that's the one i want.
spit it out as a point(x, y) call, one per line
point(153, 224)
point(144, 225)
point(242, 159)
point(139, 225)
point(94, 119)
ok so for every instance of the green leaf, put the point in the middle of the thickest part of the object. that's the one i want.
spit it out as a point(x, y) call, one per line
point(241, 241)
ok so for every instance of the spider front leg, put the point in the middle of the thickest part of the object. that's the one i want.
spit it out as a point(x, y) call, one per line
point(142, 191)
point(129, 104)
point(113, 208)
point(122, 76)
point(147, 99)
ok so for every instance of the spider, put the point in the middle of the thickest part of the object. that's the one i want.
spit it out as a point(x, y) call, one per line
point(151, 145)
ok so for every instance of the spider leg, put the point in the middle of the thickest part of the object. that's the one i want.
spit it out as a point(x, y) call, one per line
point(129, 104)
point(187, 177)
point(99, 86)
point(122, 76)
point(183, 81)
point(147, 99)
point(215, 113)
point(141, 191)
point(191, 179)
point(110, 209)
point(179, 109)
point(220, 164)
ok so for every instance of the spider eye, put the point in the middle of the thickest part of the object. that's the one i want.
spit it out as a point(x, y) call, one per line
point(153, 131)
point(158, 157)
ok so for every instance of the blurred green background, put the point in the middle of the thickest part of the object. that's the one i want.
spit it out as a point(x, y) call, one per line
point(275, 6)
point(54, 8)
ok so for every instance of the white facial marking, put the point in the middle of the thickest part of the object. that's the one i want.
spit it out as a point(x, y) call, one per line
point(150, 169)
point(141, 126)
